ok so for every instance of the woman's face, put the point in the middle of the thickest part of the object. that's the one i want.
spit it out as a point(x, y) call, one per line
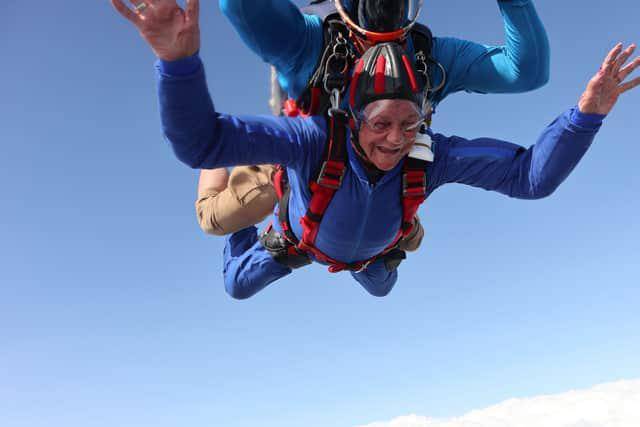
point(388, 131)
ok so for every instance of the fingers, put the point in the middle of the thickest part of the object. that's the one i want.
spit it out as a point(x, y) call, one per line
point(629, 85)
point(628, 69)
point(619, 62)
point(125, 11)
point(610, 60)
point(193, 11)
point(136, 3)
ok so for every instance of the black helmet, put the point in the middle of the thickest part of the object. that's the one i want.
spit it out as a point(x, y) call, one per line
point(385, 72)
point(379, 20)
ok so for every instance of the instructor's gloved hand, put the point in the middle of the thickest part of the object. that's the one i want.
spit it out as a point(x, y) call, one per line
point(172, 33)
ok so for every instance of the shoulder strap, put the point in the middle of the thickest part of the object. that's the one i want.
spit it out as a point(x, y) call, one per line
point(431, 70)
point(329, 178)
point(332, 70)
point(422, 39)
point(327, 182)
point(414, 190)
point(422, 46)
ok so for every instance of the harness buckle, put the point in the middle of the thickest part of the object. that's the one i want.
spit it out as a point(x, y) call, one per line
point(362, 266)
point(410, 189)
point(331, 175)
point(335, 102)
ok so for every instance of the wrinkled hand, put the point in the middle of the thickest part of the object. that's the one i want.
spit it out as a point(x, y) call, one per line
point(172, 33)
point(607, 85)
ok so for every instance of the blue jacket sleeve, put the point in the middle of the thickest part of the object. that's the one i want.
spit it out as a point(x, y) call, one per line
point(204, 138)
point(281, 35)
point(520, 65)
point(510, 169)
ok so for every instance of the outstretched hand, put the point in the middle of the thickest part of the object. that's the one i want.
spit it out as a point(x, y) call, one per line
point(608, 84)
point(172, 33)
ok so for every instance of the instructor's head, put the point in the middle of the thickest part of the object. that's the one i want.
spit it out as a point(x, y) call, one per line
point(387, 105)
point(376, 21)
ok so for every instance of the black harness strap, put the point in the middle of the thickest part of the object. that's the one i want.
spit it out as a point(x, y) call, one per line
point(332, 70)
point(428, 68)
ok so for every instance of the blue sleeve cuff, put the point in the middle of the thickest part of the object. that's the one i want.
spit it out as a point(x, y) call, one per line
point(587, 121)
point(180, 67)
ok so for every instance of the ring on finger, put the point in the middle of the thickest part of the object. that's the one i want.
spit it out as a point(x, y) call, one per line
point(140, 7)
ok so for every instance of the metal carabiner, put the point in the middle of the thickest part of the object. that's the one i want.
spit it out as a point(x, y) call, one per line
point(336, 66)
point(341, 47)
point(335, 101)
point(444, 76)
point(422, 68)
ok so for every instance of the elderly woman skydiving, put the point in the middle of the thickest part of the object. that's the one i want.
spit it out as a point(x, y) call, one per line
point(369, 167)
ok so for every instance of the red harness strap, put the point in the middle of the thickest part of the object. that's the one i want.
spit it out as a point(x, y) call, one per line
point(414, 191)
point(328, 182)
point(329, 179)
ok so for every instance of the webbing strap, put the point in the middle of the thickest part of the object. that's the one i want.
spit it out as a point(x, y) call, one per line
point(332, 71)
point(329, 178)
point(414, 191)
point(279, 179)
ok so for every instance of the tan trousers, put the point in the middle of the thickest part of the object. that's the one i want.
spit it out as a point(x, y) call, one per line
point(249, 198)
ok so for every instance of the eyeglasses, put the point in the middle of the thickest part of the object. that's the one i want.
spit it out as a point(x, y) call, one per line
point(380, 125)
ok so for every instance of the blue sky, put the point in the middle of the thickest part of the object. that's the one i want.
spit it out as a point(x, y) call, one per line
point(112, 307)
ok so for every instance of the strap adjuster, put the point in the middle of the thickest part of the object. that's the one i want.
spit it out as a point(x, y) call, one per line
point(414, 184)
point(331, 174)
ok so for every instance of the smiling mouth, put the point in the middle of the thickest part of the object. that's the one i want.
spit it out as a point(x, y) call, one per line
point(388, 150)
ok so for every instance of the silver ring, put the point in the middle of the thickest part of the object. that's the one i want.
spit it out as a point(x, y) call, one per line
point(141, 7)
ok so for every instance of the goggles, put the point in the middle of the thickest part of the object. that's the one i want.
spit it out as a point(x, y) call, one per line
point(382, 124)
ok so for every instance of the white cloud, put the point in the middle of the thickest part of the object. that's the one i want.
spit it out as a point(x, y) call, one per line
point(607, 405)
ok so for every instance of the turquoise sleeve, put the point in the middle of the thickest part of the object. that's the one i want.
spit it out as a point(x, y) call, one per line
point(281, 35)
point(520, 65)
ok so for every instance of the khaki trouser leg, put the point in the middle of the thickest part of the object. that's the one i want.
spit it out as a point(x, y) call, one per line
point(414, 239)
point(248, 199)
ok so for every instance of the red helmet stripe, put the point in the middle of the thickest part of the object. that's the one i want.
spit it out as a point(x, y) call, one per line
point(379, 81)
point(354, 82)
point(412, 77)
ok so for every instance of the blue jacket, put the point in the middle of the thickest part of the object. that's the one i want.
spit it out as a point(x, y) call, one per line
point(282, 36)
point(362, 218)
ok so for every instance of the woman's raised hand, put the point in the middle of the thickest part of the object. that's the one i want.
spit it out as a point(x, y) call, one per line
point(608, 84)
point(172, 33)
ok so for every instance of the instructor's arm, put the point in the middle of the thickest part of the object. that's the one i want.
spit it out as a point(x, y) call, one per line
point(520, 65)
point(281, 35)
